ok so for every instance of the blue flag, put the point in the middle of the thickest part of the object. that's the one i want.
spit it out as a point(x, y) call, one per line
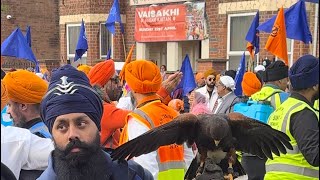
point(109, 54)
point(28, 36)
point(114, 16)
point(313, 1)
point(16, 46)
point(253, 36)
point(296, 23)
point(187, 82)
point(82, 45)
point(37, 68)
point(239, 75)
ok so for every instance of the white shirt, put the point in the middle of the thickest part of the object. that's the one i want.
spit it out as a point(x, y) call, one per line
point(220, 100)
point(214, 97)
point(149, 161)
point(20, 149)
point(125, 103)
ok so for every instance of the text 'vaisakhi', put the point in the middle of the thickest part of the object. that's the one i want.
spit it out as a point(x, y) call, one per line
point(159, 13)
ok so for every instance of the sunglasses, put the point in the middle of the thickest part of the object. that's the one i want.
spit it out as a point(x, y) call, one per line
point(115, 80)
point(211, 79)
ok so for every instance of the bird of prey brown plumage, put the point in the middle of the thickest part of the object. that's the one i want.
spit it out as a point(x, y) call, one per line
point(211, 133)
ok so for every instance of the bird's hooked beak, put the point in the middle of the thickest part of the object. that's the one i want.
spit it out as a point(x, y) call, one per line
point(216, 142)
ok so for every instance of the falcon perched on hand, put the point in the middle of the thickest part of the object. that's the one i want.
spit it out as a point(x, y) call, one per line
point(213, 134)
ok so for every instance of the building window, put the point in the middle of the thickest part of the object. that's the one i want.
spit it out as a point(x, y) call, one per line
point(73, 31)
point(105, 41)
point(290, 43)
point(238, 26)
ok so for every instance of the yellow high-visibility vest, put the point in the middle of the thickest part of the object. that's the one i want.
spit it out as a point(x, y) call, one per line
point(265, 92)
point(292, 165)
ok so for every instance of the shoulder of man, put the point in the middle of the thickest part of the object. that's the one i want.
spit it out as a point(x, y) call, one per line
point(202, 89)
point(283, 96)
point(235, 99)
point(48, 173)
point(307, 114)
point(128, 170)
point(137, 172)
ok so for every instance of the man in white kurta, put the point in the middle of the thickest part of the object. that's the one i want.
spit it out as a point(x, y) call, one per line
point(20, 149)
point(209, 90)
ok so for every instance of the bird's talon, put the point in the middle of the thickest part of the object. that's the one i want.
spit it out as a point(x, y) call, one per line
point(229, 177)
point(198, 174)
point(200, 170)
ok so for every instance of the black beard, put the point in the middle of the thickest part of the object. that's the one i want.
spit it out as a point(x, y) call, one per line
point(211, 85)
point(89, 163)
point(113, 92)
point(316, 96)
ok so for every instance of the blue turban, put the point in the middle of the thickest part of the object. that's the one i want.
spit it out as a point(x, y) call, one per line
point(304, 73)
point(70, 92)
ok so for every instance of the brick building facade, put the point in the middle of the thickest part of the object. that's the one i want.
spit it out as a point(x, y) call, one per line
point(42, 16)
point(55, 25)
point(94, 14)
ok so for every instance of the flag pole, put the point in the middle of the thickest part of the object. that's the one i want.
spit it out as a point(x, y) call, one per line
point(124, 47)
point(250, 64)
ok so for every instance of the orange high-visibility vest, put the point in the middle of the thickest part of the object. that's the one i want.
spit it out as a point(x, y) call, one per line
point(170, 158)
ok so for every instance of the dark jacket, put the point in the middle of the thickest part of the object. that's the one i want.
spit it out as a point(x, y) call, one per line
point(125, 170)
point(227, 103)
point(304, 127)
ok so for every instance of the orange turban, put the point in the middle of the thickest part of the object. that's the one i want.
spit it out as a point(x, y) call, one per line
point(250, 84)
point(101, 73)
point(210, 72)
point(218, 77)
point(143, 76)
point(176, 104)
point(25, 87)
point(4, 95)
point(84, 68)
point(199, 76)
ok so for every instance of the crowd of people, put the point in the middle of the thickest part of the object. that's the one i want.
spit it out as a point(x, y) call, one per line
point(65, 125)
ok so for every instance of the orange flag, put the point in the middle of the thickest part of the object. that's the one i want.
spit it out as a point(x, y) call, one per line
point(250, 48)
point(128, 60)
point(277, 43)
